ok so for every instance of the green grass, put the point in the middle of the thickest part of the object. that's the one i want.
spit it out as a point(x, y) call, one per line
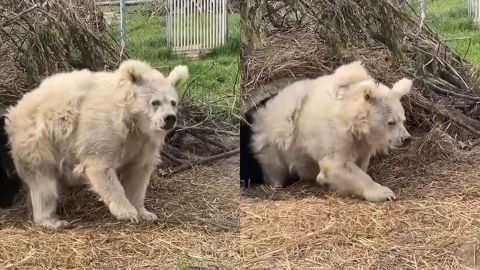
point(450, 19)
point(183, 263)
point(214, 79)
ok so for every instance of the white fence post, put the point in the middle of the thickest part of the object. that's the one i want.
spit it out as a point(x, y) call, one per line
point(423, 13)
point(123, 26)
point(196, 25)
point(474, 10)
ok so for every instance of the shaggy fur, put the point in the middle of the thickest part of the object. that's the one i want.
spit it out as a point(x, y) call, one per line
point(328, 129)
point(104, 129)
point(9, 182)
point(250, 169)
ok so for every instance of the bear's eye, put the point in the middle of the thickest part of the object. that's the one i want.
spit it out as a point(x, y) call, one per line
point(391, 123)
point(173, 103)
point(155, 102)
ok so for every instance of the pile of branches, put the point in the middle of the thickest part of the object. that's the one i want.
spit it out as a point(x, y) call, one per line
point(308, 38)
point(234, 6)
point(40, 38)
point(200, 138)
point(158, 7)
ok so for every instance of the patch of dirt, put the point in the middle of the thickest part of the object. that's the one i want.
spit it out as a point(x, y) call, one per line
point(198, 226)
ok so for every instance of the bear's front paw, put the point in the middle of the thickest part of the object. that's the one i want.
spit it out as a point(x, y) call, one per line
point(53, 223)
point(124, 212)
point(146, 215)
point(378, 193)
point(322, 179)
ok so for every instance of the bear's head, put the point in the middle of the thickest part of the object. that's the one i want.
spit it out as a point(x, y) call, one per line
point(153, 96)
point(381, 119)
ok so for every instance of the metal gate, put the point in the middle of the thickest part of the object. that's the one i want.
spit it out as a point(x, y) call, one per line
point(474, 10)
point(196, 25)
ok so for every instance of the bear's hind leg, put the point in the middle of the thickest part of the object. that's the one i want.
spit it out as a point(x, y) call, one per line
point(43, 189)
point(275, 170)
point(275, 175)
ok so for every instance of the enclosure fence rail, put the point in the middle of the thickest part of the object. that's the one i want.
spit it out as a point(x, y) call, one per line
point(474, 10)
point(196, 25)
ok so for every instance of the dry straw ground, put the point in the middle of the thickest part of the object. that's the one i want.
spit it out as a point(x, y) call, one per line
point(198, 228)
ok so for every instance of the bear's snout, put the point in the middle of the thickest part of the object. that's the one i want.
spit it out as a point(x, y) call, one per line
point(170, 121)
point(406, 139)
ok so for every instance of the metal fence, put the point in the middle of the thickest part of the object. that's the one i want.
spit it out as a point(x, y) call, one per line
point(474, 10)
point(196, 25)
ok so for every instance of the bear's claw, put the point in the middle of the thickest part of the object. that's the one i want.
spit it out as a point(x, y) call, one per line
point(378, 193)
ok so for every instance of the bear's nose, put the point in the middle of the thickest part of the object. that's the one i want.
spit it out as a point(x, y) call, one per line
point(406, 140)
point(170, 121)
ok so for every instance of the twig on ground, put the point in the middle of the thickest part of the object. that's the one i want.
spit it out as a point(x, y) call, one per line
point(446, 114)
point(177, 152)
point(208, 130)
point(452, 93)
point(207, 140)
point(173, 158)
point(204, 161)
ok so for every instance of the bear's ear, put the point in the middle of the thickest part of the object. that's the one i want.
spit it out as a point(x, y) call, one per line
point(402, 87)
point(351, 73)
point(132, 70)
point(178, 74)
point(368, 94)
point(368, 89)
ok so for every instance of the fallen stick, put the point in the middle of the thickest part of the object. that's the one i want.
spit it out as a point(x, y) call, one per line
point(172, 158)
point(432, 108)
point(177, 153)
point(433, 86)
point(202, 161)
point(207, 140)
point(209, 130)
point(448, 92)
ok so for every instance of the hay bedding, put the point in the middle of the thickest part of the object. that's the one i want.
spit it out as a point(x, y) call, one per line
point(435, 224)
point(198, 225)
